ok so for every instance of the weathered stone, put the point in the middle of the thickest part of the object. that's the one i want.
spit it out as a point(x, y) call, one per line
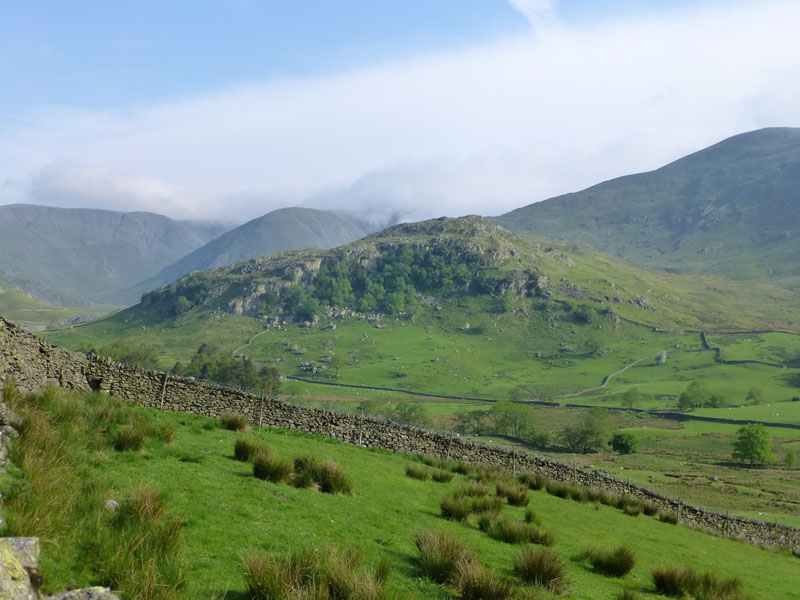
point(14, 580)
point(27, 549)
point(92, 593)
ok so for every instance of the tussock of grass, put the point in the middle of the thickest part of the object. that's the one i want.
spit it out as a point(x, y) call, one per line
point(485, 473)
point(332, 480)
point(472, 489)
point(682, 582)
point(130, 437)
point(234, 422)
point(540, 567)
point(568, 491)
point(315, 575)
point(272, 469)
point(650, 508)
point(461, 467)
point(632, 509)
point(614, 562)
point(513, 532)
point(476, 582)
point(534, 481)
point(244, 450)
point(442, 476)
point(306, 471)
point(628, 595)
point(530, 516)
point(486, 504)
point(668, 517)
point(441, 556)
point(416, 471)
point(455, 508)
point(517, 495)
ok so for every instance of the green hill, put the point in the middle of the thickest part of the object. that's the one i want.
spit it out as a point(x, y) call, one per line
point(85, 257)
point(20, 307)
point(731, 210)
point(282, 229)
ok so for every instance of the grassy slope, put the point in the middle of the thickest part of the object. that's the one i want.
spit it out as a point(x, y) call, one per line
point(26, 311)
point(231, 514)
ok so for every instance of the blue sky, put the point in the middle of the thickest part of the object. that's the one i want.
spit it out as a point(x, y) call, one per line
point(228, 109)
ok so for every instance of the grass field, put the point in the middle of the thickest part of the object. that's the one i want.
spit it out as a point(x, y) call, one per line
point(230, 514)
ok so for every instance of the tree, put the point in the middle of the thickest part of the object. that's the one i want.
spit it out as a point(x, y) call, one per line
point(695, 396)
point(510, 418)
point(790, 460)
point(755, 396)
point(630, 399)
point(624, 443)
point(338, 361)
point(589, 435)
point(661, 358)
point(753, 445)
point(269, 380)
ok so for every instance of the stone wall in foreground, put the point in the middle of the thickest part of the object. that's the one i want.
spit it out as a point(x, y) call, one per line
point(34, 364)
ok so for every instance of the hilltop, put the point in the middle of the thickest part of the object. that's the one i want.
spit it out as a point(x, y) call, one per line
point(282, 229)
point(731, 210)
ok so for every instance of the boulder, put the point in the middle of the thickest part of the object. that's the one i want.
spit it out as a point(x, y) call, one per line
point(15, 582)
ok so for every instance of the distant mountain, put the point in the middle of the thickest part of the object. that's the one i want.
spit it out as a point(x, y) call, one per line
point(732, 209)
point(282, 229)
point(80, 257)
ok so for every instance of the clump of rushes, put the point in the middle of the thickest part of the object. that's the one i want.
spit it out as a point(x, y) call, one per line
point(476, 582)
point(332, 480)
point(234, 422)
point(600, 496)
point(417, 471)
point(473, 489)
point(517, 495)
point(486, 504)
point(530, 516)
point(627, 594)
point(540, 567)
point(668, 517)
point(614, 562)
point(270, 468)
point(455, 508)
point(650, 508)
point(534, 481)
point(682, 582)
point(129, 437)
point(442, 476)
point(314, 574)
point(487, 472)
point(631, 506)
point(441, 556)
point(513, 532)
point(461, 467)
point(305, 471)
point(244, 449)
point(166, 433)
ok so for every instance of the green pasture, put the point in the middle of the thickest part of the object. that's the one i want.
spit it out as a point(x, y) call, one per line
point(231, 514)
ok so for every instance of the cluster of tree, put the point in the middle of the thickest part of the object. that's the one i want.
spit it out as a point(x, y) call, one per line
point(503, 418)
point(180, 297)
point(697, 395)
point(753, 445)
point(409, 413)
point(144, 356)
point(210, 365)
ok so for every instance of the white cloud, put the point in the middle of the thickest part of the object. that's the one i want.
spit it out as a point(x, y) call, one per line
point(539, 13)
point(482, 129)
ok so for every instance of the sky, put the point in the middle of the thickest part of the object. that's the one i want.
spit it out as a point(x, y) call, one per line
point(397, 109)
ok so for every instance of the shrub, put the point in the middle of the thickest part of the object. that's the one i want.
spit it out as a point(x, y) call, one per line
point(473, 489)
point(271, 469)
point(441, 556)
point(632, 510)
point(517, 495)
point(332, 480)
point(615, 562)
point(487, 504)
point(234, 422)
point(416, 471)
point(534, 481)
point(513, 532)
point(455, 508)
point(681, 582)
point(130, 437)
point(479, 583)
point(313, 574)
point(442, 476)
point(244, 449)
point(668, 517)
point(540, 567)
point(305, 471)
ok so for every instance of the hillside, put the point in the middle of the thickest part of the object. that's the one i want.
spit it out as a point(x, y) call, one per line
point(732, 210)
point(84, 257)
point(282, 229)
point(22, 308)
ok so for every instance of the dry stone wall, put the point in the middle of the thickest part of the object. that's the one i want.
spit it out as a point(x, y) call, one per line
point(35, 364)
